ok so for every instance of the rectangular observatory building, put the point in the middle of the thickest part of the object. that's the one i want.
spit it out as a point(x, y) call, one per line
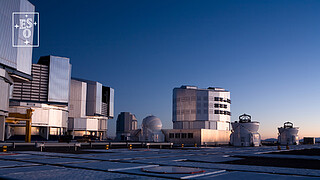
point(200, 116)
point(195, 108)
point(90, 107)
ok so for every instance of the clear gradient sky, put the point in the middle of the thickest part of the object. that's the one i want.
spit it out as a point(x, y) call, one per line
point(265, 52)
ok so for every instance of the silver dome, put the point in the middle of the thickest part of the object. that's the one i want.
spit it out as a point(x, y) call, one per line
point(152, 123)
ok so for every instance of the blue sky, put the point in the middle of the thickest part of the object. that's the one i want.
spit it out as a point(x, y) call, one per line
point(265, 52)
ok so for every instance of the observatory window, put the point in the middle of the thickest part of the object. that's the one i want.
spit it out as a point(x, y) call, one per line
point(177, 135)
point(190, 135)
point(183, 135)
point(171, 135)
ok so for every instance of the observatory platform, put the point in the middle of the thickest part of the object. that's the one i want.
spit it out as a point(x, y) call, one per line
point(205, 163)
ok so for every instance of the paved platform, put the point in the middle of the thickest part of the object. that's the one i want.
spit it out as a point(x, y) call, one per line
point(217, 162)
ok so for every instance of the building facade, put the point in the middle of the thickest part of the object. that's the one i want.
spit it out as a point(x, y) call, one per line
point(91, 105)
point(15, 62)
point(200, 116)
point(47, 94)
point(126, 123)
point(195, 108)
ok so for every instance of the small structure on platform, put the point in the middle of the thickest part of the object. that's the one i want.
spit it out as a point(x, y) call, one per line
point(288, 135)
point(309, 140)
point(244, 132)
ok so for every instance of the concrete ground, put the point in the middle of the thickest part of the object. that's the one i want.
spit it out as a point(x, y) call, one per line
point(216, 162)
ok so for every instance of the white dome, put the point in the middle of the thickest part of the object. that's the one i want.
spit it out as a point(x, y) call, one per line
point(152, 123)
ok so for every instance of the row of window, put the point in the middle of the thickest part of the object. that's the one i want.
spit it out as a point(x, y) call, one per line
point(220, 106)
point(204, 98)
point(180, 135)
point(222, 112)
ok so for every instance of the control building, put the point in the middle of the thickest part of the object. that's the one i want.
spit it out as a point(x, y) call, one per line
point(126, 123)
point(47, 94)
point(90, 106)
point(288, 135)
point(15, 62)
point(245, 132)
point(200, 116)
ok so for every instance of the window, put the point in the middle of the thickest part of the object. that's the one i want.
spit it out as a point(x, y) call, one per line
point(171, 135)
point(190, 135)
point(225, 106)
point(210, 98)
point(221, 99)
point(193, 111)
point(205, 111)
point(199, 111)
point(193, 98)
point(216, 105)
point(216, 112)
point(205, 98)
point(183, 135)
point(205, 105)
point(177, 135)
point(216, 98)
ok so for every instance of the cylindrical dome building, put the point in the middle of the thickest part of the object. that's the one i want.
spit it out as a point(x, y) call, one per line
point(244, 132)
point(288, 135)
point(151, 129)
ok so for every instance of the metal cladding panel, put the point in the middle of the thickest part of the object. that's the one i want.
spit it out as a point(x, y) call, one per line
point(59, 79)
point(111, 103)
point(16, 58)
point(24, 58)
point(4, 92)
point(77, 99)
point(92, 125)
point(91, 104)
point(98, 98)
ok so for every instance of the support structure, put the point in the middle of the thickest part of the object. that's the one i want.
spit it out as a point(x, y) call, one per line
point(15, 117)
